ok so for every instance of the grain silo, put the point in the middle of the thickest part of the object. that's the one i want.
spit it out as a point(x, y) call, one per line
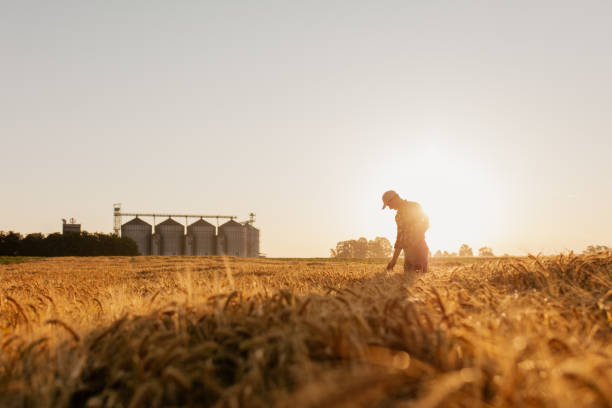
point(203, 234)
point(234, 235)
point(172, 236)
point(220, 245)
point(252, 240)
point(139, 231)
point(188, 245)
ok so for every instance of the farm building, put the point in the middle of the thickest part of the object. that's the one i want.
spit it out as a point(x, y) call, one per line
point(203, 238)
point(172, 235)
point(252, 239)
point(200, 238)
point(233, 238)
point(139, 231)
point(70, 227)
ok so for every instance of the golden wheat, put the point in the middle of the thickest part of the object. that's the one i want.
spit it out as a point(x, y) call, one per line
point(163, 331)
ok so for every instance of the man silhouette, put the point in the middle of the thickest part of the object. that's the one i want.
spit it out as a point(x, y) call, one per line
point(412, 223)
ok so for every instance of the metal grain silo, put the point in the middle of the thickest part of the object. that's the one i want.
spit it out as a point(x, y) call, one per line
point(220, 244)
point(140, 232)
point(188, 245)
point(252, 240)
point(172, 236)
point(234, 235)
point(203, 234)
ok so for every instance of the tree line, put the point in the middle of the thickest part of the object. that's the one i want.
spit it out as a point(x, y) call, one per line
point(379, 247)
point(596, 249)
point(69, 244)
point(465, 250)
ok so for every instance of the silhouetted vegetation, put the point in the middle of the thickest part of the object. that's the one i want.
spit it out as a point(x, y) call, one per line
point(596, 249)
point(445, 254)
point(465, 250)
point(71, 244)
point(485, 251)
point(379, 247)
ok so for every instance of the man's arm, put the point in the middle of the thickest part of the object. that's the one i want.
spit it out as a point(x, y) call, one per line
point(396, 253)
point(396, 249)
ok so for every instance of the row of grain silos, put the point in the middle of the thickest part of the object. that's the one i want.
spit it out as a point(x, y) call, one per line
point(233, 238)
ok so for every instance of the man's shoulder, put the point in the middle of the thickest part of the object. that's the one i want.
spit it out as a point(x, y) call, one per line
point(409, 205)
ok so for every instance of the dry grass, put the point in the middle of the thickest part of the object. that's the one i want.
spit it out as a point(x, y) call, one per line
point(224, 332)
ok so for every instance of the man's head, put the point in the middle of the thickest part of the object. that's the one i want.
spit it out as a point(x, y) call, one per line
point(391, 199)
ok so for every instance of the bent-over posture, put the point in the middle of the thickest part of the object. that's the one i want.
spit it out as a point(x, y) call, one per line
point(412, 223)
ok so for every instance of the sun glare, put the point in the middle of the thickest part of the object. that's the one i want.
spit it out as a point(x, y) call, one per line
point(462, 201)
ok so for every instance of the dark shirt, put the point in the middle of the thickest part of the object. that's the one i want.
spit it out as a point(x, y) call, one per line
point(412, 223)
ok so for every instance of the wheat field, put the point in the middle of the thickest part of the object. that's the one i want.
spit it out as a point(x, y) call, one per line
point(229, 332)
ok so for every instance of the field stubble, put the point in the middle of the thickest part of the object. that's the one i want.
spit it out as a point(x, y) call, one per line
point(155, 331)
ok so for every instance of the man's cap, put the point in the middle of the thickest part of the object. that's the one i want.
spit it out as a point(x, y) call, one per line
point(387, 197)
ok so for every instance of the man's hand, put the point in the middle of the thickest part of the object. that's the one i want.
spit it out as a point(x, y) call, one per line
point(391, 264)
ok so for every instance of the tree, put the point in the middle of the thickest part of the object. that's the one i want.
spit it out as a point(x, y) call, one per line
point(596, 249)
point(344, 249)
point(33, 244)
point(465, 250)
point(380, 247)
point(10, 243)
point(361, 248)
point(73, 244)
point(485, 251)
point(438, 254)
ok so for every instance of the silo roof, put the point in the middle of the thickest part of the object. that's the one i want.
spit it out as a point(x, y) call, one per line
point(249, 226)
point(136, 221)
point(201, 223)
point(231, 223)
point(170, 221)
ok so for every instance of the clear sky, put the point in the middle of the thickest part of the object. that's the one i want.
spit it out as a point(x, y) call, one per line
point(495, 116)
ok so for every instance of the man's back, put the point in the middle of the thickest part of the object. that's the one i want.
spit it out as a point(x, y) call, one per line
point(411, 222)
